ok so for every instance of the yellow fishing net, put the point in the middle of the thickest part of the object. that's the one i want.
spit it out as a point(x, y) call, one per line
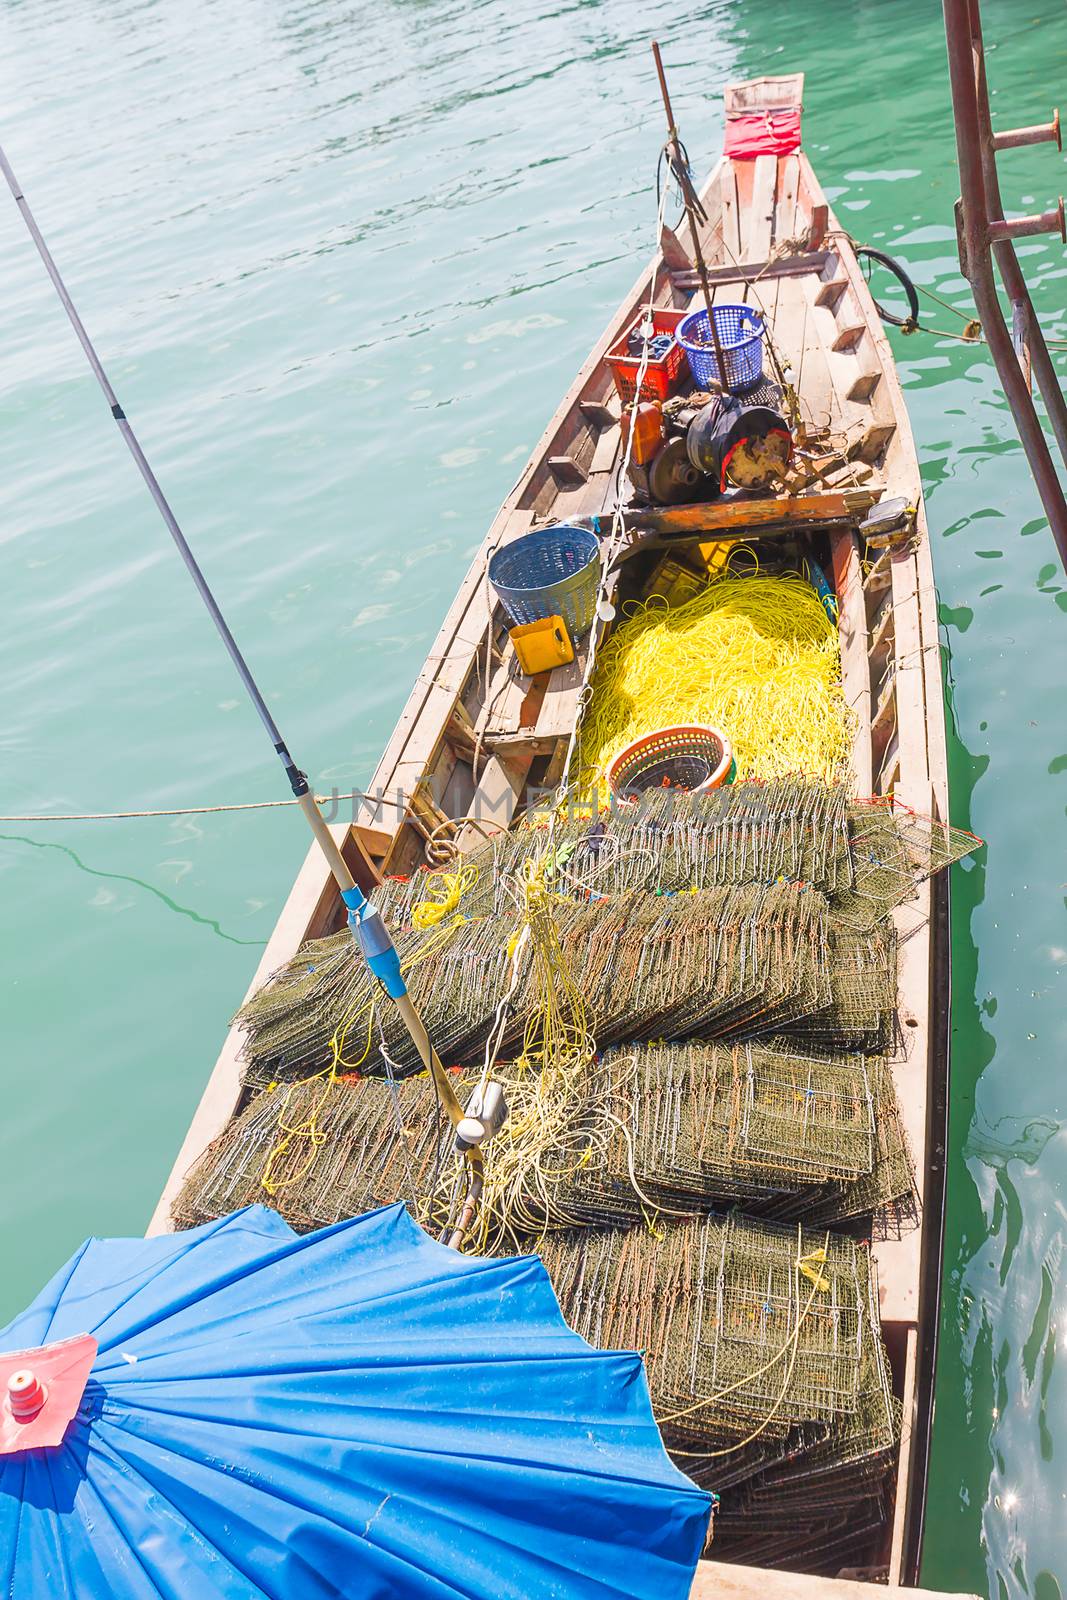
point(756, 657)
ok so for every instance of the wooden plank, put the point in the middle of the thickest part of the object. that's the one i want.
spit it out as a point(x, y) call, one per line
point(743, 177)
point(785, 211)
point(820, 222)
point(899, 1259)
point(855, 670)
point(674, 253)
point(556, 717)
point(764, 94)
point(731, 222)
point(864, 383)
point(911, 1376)
point(566, 470)
point(605, 450)
point(722, 1580)
point(501, 711)
point(840, 505)
point(869, 444)
point(709, 231)
point(744, 272)
point(830, 292)
point(600, 413)
point(761, 220)
point(797, 335)
point(848, 336)
point(495, 798)
point(788, 178)
point(374, 841)
point(525, 742)
point(911, 683)
point(936, 741)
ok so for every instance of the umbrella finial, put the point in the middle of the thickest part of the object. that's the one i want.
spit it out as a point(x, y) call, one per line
point(40, 1392)
point(26, 1394)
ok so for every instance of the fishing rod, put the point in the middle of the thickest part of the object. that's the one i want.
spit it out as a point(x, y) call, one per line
point(364, 919)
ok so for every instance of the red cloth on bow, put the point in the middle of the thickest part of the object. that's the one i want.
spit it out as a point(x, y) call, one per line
point(763, 133)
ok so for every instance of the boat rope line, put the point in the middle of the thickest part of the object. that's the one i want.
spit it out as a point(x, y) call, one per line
point(604, 611)
point(972, 331)
point(178, 811)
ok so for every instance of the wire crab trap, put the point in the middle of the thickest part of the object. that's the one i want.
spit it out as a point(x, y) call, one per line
point(673, 1129)
point(893, 850)
point(690, 883)
point(721, 963)
point(866, 856)
point(362, 1144)
point(689, 1127)
point(746, 1328)
point(766, 1366)
point(827, 1496)
point(668, 840)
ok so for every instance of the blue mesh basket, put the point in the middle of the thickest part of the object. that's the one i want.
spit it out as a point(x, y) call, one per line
point(740, 331)
point(553, 572)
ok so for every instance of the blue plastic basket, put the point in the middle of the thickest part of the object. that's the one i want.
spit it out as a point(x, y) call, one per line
point(740, 331)
point(553, 572)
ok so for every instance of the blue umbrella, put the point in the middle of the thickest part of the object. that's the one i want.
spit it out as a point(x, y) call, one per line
point(358, 1411)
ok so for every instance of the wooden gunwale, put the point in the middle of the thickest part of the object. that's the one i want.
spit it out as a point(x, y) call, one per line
point(443, 749)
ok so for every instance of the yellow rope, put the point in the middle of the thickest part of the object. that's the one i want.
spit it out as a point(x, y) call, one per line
point(436, 907)
point(309, 1130)
point(756, 657)
point(546, 1129)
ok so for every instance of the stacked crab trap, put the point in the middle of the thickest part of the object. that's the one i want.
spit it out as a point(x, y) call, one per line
point(737, 950)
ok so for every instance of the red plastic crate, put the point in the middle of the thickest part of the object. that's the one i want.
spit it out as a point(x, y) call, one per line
point(660, 376)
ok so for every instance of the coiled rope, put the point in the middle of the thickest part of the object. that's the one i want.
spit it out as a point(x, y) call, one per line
point(754, 656)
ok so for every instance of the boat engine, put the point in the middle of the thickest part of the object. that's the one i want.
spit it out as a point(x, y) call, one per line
point(734, 442)
point(702, 445)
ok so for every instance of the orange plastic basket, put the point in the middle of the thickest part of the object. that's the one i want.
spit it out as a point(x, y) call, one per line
point(689, 758)
point(660, 376)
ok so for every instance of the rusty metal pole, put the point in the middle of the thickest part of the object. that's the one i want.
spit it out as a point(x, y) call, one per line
point(976, 264)
point(1029, 341)
point(677, 162)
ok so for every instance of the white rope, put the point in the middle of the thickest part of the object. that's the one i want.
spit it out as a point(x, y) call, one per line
point(177, 811)
point(617, 536)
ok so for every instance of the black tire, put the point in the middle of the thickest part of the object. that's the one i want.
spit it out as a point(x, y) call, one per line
point(912, 318)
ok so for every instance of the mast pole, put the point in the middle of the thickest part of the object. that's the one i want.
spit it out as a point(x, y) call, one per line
point(689, 198)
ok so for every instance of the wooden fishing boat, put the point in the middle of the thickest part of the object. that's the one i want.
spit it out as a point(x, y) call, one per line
point(476, 735)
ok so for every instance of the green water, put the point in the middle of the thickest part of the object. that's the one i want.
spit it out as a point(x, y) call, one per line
point(342, 261)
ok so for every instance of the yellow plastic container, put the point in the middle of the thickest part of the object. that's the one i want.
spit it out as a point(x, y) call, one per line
point(716, 554)
point(674, 582)
point(542, 645)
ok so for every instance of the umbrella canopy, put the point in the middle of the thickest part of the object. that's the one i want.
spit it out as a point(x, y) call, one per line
point(358, 1411)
